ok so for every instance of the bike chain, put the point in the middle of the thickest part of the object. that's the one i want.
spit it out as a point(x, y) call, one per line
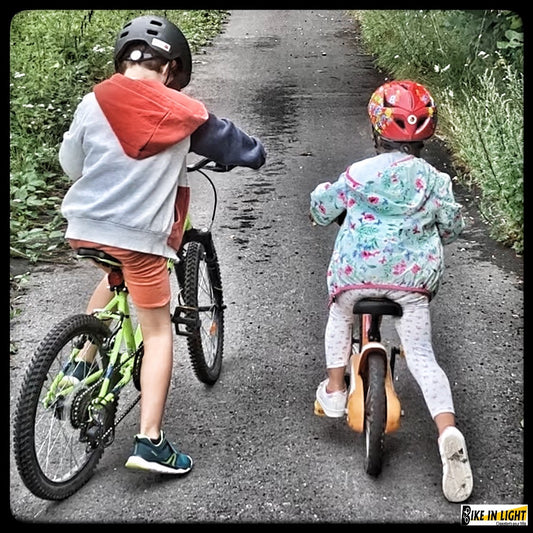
point(85, 396)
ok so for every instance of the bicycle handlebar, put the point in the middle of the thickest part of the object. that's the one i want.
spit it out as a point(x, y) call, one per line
point(340, 219)
point(209, 164)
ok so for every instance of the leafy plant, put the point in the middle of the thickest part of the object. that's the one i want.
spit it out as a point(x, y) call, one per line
point(493, 125)
point(472, 62)
point(56, 56)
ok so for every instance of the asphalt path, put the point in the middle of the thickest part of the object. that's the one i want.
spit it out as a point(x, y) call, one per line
point(300, 81)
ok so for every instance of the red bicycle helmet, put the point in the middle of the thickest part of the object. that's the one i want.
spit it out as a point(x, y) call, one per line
point(403, 111)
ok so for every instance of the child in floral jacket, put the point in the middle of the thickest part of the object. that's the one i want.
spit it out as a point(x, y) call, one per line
point(398, 212)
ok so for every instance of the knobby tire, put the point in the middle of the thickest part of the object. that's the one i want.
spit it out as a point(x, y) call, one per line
point(31, 436)
point(202, 280)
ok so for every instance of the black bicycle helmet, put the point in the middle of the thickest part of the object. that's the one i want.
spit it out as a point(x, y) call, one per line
point(163, 37)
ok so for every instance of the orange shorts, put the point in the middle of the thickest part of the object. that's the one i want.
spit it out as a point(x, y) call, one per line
point(146, 275)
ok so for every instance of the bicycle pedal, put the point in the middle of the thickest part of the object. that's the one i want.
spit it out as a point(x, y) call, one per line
point(318, 409)
point(180, 318)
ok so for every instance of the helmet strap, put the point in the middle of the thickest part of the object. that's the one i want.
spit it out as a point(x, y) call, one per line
point(171, 74)
point(167, 77)
point(376, 138)
point(384, 145)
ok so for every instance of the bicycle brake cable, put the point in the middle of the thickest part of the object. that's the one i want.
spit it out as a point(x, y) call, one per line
point(214, 195)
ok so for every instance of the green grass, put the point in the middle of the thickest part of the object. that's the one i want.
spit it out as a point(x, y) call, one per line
point(472, 63)
point(57, 56)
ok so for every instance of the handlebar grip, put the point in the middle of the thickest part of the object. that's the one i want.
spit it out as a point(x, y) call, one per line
point(340, 219)
point(209, 164)
point(198, 165)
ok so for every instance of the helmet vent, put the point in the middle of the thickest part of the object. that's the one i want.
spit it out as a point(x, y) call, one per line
point(421, 123)
point(400, 123)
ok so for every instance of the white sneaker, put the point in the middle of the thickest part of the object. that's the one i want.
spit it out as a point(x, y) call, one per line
point(333, 403)
point(457, 479)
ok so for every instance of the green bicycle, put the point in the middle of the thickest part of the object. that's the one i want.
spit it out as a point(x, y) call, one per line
point(66, 413)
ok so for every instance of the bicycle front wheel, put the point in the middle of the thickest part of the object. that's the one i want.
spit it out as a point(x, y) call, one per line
point(203, 297)
point(53, 454)
point(375, 411)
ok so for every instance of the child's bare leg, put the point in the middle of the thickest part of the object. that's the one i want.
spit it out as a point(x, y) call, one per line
point(156, 369)
point(444, 420)
point(100, 297)
point(336, 380)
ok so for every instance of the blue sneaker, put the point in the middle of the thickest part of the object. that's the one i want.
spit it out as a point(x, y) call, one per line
point(76, 371)
point(162, 457)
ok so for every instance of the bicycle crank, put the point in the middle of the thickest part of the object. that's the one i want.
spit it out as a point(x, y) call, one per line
point(100, 429)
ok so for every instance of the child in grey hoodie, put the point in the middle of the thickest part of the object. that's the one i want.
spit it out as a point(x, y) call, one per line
point(126, 153)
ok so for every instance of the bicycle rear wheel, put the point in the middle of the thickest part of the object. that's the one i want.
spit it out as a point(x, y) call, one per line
point(375, 411)
point(202, 296)
point(52, 451)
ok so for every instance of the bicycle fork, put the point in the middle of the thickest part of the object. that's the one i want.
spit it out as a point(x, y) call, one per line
point(184, 315)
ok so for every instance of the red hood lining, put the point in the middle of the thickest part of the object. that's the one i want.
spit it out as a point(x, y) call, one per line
point(146, 116)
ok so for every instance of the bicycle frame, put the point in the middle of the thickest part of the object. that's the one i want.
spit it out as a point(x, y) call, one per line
point(123, 335)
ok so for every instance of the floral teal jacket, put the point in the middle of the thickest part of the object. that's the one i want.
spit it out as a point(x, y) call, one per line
point(400, 211)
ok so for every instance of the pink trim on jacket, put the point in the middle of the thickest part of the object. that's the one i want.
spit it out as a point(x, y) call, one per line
point(377, 286)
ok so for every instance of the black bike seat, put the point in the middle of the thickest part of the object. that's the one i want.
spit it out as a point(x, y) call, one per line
point(99, 256)
point(377, 306)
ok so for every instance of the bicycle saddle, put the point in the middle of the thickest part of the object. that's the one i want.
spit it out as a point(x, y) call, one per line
point(377, 306)
point(99, 256)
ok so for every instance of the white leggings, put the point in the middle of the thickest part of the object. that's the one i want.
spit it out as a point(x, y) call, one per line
point(414, 330)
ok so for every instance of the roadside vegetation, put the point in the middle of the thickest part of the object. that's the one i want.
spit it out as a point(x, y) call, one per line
point(472, 63)
point(56, 56)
